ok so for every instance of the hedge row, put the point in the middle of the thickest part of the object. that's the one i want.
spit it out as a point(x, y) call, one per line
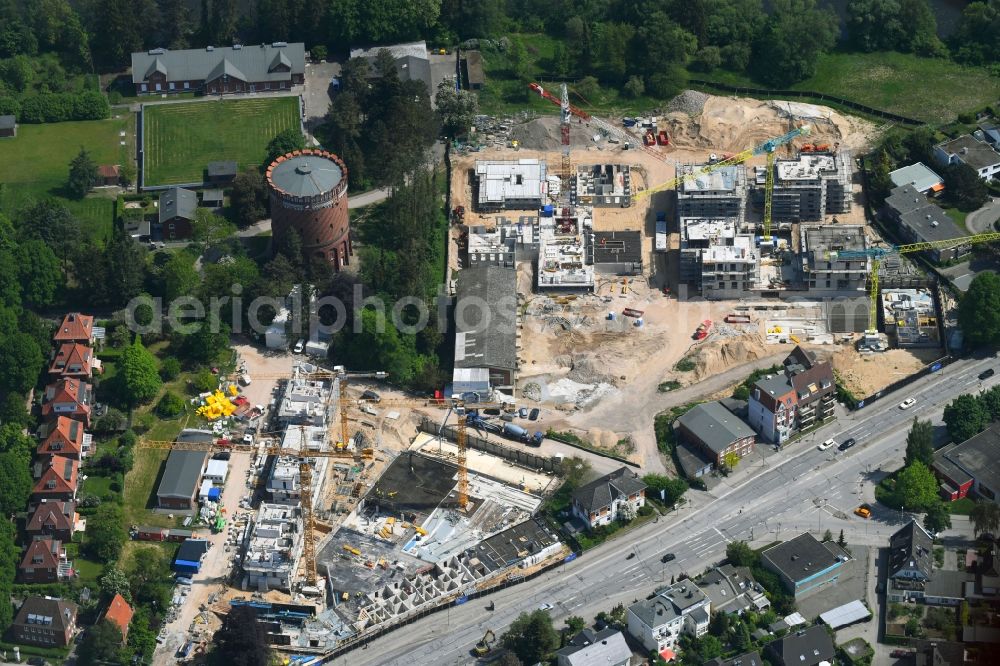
point(57, 107)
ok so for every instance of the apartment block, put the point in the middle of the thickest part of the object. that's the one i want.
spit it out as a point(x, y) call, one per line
point(823, 270)
point(719, 193)
point(808, 187)
point(272, 548)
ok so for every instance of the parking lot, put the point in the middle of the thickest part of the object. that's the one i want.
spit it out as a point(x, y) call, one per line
point(316, 94)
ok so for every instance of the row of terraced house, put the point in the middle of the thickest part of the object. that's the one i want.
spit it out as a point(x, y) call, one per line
point(63, 444)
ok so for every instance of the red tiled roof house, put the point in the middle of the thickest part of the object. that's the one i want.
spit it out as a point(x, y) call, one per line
point(68, 397)
point(55, 479)
point(120, 614)
point(73, 359)
point(75, 327)
point(65, 437)
point(45, 561)
point(54, 519)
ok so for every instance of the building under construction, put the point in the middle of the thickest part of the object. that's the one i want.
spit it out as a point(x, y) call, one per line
point(824, 273)
point(808, 187)
point(510, 185)
point(721, 193)
point(412, 486)
point(602, 186)
point(716, 259)
point(272, 546)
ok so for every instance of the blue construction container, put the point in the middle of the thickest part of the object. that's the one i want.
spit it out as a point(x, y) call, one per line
point(547, 210)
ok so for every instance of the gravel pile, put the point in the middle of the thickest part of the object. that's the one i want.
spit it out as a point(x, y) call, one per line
point(690, 102)
point(531, 391)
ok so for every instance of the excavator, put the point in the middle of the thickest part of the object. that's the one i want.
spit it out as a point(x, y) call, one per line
point(485, 644)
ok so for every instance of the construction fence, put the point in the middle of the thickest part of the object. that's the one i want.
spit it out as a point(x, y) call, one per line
point(517, 456)
point(823, 97)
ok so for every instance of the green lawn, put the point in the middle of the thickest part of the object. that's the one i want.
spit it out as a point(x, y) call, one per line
point(958, 217)
point(181, 139)
point(140, 485)
point(36, 164)
point(960, 507)
point(930, 89)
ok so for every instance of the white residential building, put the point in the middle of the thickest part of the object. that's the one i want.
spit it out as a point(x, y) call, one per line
point(966, 149)
point(657, 623)
point(603, 500)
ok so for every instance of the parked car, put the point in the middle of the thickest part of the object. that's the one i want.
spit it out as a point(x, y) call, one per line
point(630, 556)
point(299, 346)
point(847, 443)
point(825, 445)
point(669, 557)
point(902, 654)
point(987, 373)
point(864, 511)
point(523, 412)
point(546, 606)
point(533, 414)
point(371, 396)
point(221, 455)
point(906, 404)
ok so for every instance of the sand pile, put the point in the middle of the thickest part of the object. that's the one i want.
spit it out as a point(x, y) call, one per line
point(543, 134)
point(584, 370)
point(690, 102)
point(716, 358)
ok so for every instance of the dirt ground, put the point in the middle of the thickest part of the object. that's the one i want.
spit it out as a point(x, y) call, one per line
point(866, 374)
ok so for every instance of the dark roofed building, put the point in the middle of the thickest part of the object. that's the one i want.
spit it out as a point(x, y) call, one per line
point(694, 462)
point(616, 252)
point(8, 126)
point(218, 70)
point(472, 69)
point(221, 173)
point(181, 478)
point(507, 548)
point(213, 198)
point(804, 564)
point(911, 563)
point(971, 466)
point(733, 590)
point(56, 519)
point(600, 502)
point(920, 221)
point(44, 621)
point(178, 210)
point(781, 405)
point(716, 432)
point(487, 338)
point(808, 647)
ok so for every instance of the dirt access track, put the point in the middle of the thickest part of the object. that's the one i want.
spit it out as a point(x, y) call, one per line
point(600, 378)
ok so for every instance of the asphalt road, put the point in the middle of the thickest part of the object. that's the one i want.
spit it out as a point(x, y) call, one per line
point(981, 221)
point(806, 489)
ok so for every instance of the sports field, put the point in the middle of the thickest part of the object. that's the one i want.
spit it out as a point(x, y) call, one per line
point(180, 140)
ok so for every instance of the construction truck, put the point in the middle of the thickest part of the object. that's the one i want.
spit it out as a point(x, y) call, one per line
point(485, 644)
point(514, 431)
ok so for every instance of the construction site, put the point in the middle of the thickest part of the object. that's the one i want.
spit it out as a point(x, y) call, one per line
point(721, 232)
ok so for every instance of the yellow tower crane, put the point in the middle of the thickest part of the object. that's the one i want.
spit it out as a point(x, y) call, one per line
point(876, 254)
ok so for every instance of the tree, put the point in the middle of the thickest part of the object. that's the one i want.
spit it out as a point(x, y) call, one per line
point(827, 536)
point(248, 198)
point(841, 541)
point(730, 460)
point(20, 363)
point(916, 487)
point(123, 19)
point(170, 405)
point(101, 644)
point(210, 228)
point(106, 534)
point(920, 442)
point(965, 416)
point(241, 640)
point(82, 174)
point(665, 488)
point(707, 59)
point(977, 39)
point(457, 109)
point(985, 517)
point(979, 310)
point(964, 188)
point(575, 624)
point(179, 277)
point(786, 51)
point(634, 87)
point(114, 581)
point(531, 637)
point(875, 25)
point(284, 142)
point(39, 272)
point(125, 265)
point(52, 223)
point(141, 380)
point(937, 518)
point(207, 342)
point(740, 554)
point(15, 482)
point(170, 368)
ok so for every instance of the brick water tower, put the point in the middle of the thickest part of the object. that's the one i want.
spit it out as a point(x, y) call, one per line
point(309, 195)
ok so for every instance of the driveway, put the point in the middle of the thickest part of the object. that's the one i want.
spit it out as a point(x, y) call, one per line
point(981, 221)
point(316, 93)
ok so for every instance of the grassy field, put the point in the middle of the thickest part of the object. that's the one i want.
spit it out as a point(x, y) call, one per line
point(36, 164)
point(930, 89)
point(181, 139)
